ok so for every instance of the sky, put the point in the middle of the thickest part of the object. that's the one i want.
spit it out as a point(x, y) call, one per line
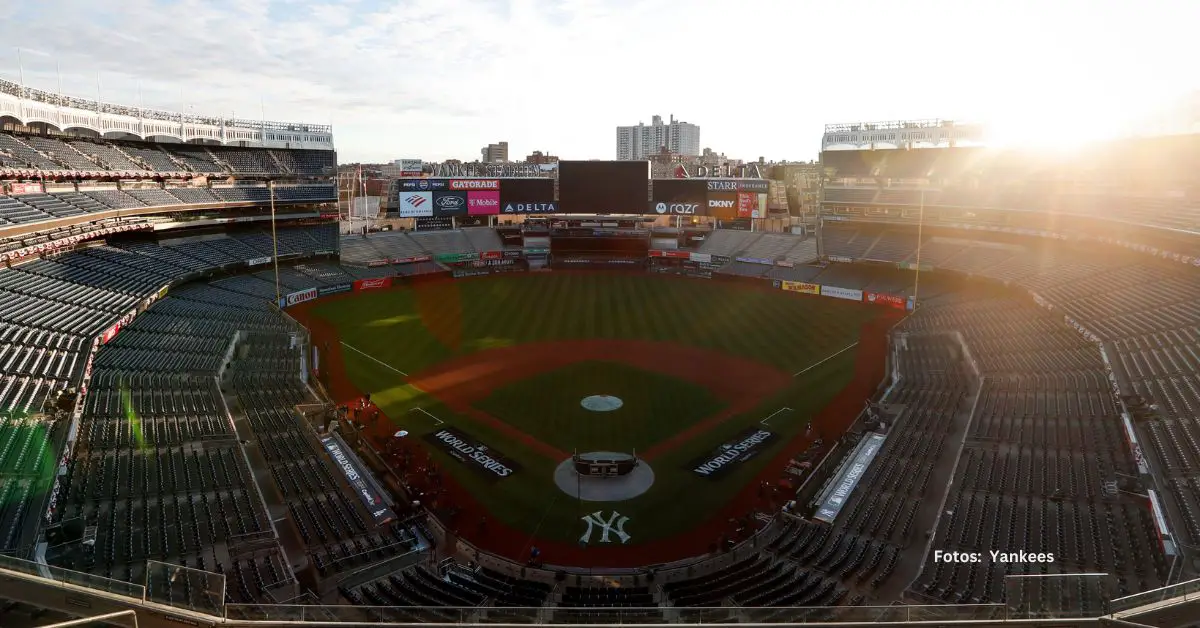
point(439, 79)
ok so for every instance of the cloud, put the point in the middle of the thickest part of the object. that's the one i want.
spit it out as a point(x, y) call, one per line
point(441, 78)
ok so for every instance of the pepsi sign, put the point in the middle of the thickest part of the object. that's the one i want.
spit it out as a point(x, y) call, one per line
point(424, 185)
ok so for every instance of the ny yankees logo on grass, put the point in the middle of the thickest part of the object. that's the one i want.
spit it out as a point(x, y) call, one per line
point(614, 525)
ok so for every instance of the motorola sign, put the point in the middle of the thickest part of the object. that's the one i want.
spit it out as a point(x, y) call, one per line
point(677, 209)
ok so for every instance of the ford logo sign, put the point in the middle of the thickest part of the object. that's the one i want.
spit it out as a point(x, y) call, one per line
point(451, 202)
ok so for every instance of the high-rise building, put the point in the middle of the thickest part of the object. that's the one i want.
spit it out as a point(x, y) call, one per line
point(641, 141)
point(495, 153)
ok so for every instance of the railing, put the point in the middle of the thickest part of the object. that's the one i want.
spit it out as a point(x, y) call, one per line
point(1181, 592)
point(78, 578)
point(236, 614)
point(560, 615)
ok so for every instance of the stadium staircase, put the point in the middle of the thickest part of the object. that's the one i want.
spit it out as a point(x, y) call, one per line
point(278, 164)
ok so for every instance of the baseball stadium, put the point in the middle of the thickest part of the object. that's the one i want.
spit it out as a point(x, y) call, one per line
point(921, 381)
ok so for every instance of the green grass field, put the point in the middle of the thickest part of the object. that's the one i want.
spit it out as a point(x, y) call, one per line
point(414, 328)
point(655, 407)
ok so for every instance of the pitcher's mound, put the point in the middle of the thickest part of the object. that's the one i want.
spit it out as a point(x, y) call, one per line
point(601, 403)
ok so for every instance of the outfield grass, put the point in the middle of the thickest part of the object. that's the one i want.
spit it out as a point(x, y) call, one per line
point(547, 407)
point(411, 329)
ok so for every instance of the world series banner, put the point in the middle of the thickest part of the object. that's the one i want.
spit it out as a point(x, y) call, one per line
point(725, 458)
point(487, 462)
point(363, 485)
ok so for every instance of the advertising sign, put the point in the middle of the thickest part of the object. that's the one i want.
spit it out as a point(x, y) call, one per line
point(416, 204)
point(840, 489)
point(757, 186)
point(302, 296)
point(722, 186)
point(259, 261)
point(725, 458)
point(678, 197)
point(491, 255)
point(409, 167)
point(889, 300)
point(475, 184)
point(705, 258)
point(799, 286)
point(484, 460)
point(412, 260)
point(449, 204)
point(375, 283)
point(424, 185)
point(530, 208)
point(722, 205)
point(664, 208)
point(24, 188)
point(747, 205)
point(483, 203)
point(454, 258)
point(366, 490)
point(325, 291)
point(842, 293)
point(755, 260)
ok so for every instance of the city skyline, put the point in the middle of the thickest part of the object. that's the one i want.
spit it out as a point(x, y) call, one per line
point(1079, 70)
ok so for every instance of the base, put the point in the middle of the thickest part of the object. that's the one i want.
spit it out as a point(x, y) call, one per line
point(603, 489)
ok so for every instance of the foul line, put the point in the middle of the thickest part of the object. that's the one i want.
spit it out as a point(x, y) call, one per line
point(374, 359)
point(809, 368)
point(785, 409)
point(426, 413)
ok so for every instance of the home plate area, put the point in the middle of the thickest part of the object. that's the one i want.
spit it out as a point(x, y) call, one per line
point(604, 476)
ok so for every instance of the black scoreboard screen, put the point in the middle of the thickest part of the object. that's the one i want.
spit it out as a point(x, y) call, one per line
point(603, 187)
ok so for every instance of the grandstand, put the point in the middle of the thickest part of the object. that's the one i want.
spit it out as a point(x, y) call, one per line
point(162, 439)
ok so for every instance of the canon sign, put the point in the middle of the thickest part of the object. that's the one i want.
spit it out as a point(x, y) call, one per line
point(302, 296)
point(475, 184)
point(679, 209)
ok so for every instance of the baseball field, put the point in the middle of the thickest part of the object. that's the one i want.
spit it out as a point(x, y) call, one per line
point(712, 384)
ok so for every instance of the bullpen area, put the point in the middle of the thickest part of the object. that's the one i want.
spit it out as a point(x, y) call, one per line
point(497, 381)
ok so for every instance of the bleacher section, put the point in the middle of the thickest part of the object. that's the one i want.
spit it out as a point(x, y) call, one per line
point(180, 461)
point(1145, 313)
point(94, 156)
point(1045, 440)
point(29, 208)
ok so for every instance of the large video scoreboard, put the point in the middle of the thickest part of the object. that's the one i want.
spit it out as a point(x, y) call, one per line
point(603, 187)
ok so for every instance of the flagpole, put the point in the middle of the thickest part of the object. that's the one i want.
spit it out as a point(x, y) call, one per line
point(58, 71)
point(274, 239)
point(21, 72)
